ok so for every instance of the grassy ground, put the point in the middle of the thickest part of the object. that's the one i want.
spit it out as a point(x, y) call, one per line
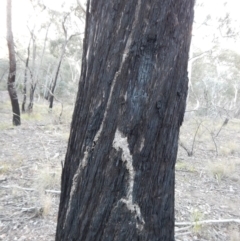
point(207, 182)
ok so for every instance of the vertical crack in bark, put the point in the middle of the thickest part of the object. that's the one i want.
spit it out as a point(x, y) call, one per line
point(121, 143)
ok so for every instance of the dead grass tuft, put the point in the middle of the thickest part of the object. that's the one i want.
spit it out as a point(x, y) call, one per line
point(223, 169)
point(46, 204)
point(47, 179)
point(5, 168)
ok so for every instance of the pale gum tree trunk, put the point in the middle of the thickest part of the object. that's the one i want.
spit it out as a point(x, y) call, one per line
point(26, 78)
point(12, 68)
point(36, 70)
point(33, 72)
point(118, 177)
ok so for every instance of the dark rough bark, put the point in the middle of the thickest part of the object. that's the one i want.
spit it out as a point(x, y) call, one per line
point(12, 68)
point(118, 178)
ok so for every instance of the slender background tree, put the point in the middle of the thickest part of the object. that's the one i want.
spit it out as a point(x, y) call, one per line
point(118, 177)
point(12, 68)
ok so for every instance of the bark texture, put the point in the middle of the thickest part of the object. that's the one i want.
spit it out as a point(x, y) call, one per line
point(118, 177)
point(12, 68)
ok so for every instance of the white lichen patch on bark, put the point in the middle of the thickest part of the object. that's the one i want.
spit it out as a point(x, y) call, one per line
point(87, 57)
point(90, 6)
point(121, 143)
point(142, 144)
point(125, 96)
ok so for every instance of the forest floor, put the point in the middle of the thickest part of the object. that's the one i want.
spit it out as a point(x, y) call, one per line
point(31, 155)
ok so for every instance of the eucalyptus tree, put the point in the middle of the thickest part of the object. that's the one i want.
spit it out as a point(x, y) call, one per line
point(215, 80)
point(119, 172)
point(67, 39)
point(214, 32)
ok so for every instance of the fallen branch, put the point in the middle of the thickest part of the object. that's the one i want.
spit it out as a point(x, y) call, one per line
point(31, 210)
point(207, 222)
point(182, 229)
point(31, 189)
point(180, 234)
point(17, 187)
point(52, 191)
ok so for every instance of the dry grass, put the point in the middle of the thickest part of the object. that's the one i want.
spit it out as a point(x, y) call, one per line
point(48, 179)
point(39, 146)
point(5, 126)
point(184, 166)
point(196, 216)
point(229, 148)
point(221, 170)
point(34, 116)
point(234, 233)
point(233, 125)
point(4, 168)
point(46, 204)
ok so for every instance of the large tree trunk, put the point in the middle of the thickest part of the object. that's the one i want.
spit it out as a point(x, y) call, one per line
point(12, 68)
point(118, 177)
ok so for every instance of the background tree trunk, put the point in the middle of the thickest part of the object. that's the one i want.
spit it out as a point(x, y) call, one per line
point(36, 69)
point(33, 82)
point(26, 78)
point(118, 178)
point(54, 81)
point(12, 68)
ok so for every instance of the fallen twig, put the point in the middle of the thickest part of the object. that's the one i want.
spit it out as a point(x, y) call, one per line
point(31, 189)
point(207, 222)
point(182, 229)
point(52, 191)
point(180, 234)
point(21, 188)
